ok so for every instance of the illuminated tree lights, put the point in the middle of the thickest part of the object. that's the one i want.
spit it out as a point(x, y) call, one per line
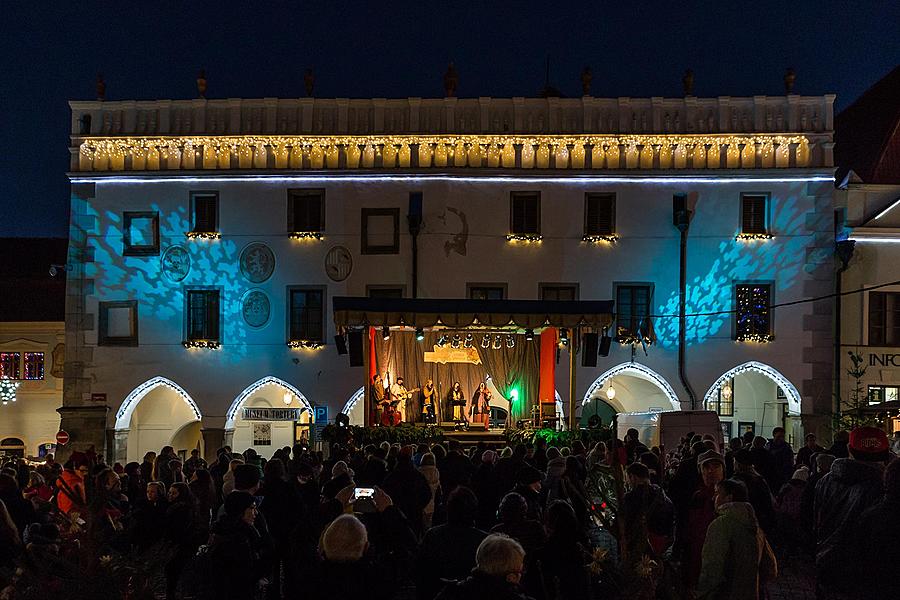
point(8, 389)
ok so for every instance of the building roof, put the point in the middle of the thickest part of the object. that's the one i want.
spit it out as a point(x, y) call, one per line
point(27, 291)
point(867, 133)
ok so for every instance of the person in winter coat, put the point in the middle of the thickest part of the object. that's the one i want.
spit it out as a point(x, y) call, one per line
point(529, 487)
point(408, 489)
point(877, 552)
point(840, 447)
point(147, 522)
point(806, 453)
point(70, 492)
point(552, 484)
point(508, 467)
point(180, 533)
point(790, 530)
point(853, 485)
point(147, 467)
point(561, 562)
point(649, 514)
point(782, 458)
point(701, 511)
point(822, 464)
point(341, 477)
point(455, 469)
point(448, 551)
point(486, 486)
point(499, 563)
point(737, 560)
point(428, 469)
point(233, 566)
point(20, 510)
point(760, 494)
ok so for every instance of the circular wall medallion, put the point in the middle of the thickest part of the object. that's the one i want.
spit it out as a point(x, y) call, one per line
point(176, 263)
point(256, 308)
point(257, 262)
point(338, 263)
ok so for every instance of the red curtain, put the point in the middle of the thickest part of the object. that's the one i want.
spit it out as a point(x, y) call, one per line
point(548, 365)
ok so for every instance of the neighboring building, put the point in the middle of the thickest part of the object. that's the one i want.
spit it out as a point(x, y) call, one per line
point(868, 203)
point(208, 238)
point(32, 348)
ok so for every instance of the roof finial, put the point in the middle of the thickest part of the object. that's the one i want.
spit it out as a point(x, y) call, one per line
point(101, 88)
point(451, 80)
point(309, 82)
point(688, 82)
point(790, 77)
point(201, 83)
point(586, 77)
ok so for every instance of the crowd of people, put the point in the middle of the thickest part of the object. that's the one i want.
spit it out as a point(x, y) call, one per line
point(617, 519)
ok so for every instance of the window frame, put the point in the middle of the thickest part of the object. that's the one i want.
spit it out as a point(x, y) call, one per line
point(715, 404)
point(43, 365)
point(218, 339)
point(103, 339)
point(736, 333)
point(297, 193)
point(513, 197)
point(385, 287)
point(129, 249)
point(588, 197)
point(884, 394)
point(632, 285)
point(472, 286)
point(767, 202)
point(543, 287)
point(323, 290)
point(193, 195)
point(886, 339)
point(365, 215)
point(17, 365)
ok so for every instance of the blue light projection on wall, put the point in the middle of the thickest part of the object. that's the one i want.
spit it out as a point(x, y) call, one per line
point(779, 260)
point(213, 264)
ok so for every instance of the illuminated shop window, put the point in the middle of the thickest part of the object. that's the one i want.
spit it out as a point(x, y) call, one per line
point(883, 393)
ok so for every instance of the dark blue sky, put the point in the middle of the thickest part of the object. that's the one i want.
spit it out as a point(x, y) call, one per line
point(50, 52)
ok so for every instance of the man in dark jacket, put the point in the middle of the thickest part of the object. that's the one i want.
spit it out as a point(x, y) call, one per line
point(649, 515)
point(782, 459)
point(448, 551)
point(456, 468)
point(839, 447)
point(877, 552)
point(806, 453)
point(529, 481)
point(408, 489)
point(508, 467)
point(759, 492)
point(853, 485)
point(499, 565)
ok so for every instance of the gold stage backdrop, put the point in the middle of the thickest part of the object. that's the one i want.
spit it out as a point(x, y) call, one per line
point(509, 368)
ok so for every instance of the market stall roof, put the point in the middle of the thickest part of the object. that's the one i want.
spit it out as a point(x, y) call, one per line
point(352, 312)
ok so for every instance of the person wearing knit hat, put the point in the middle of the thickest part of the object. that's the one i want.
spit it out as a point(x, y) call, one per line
point(853, 485)
point(529, 486)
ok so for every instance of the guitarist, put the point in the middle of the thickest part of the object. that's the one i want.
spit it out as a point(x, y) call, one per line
point(403, 397)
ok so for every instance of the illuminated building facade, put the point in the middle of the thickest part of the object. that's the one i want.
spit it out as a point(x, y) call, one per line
point(208, 238)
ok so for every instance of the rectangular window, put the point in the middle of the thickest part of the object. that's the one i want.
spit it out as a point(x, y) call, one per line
point(118, 324)
point(723, 403)
point(306, 211)
point(525, 213)
point(632, 309)
point(754, 214)
point(34, 365)
point(883, 393)
point(203, 316)
point(884, 318)
point(384, 291)
point(205, 212)
point(599, 214)
point(555, 291)
point(9, 365)
point(486, 291)
point(752, 318)
point(140, 233)
point(307, 314)
point(380, 231)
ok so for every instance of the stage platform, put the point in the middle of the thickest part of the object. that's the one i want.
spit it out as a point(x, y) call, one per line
point(474, 435)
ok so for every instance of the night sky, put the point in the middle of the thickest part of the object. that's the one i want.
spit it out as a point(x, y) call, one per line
point(51, 52)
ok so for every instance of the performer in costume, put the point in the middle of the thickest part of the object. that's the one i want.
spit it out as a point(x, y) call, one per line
point(480, 411)
point(456, 404)
point(376, 397)
point(429, 415)
point(404, 398)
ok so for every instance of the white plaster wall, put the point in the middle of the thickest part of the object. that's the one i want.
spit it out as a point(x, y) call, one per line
point(159, 420)
point(255, 211)
point(268, 396)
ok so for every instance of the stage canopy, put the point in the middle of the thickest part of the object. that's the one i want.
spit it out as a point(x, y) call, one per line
point(352, 312)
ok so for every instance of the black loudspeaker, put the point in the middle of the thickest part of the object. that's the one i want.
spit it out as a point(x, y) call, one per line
point(680, 214)
point(340, 342)
point(589, 350)
point(605, 343)
point(355, 345)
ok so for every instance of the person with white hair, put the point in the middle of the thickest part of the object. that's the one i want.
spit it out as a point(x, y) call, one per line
point(499, 564)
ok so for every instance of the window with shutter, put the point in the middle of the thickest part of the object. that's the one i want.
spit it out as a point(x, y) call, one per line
point(205, 211)
point(552, 291)
point(753, 214)
point(525, 213)
point(306, 211)
point(203, 316)
point(307, 317)
point(599, 214)
point(884, 318)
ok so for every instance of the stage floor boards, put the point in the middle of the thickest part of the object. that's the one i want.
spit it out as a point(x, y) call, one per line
point(495, 437)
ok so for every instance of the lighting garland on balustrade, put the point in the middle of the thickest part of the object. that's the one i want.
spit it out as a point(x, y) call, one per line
point(744, 237)
point(493, 151)
point(8, 389)
point(526, 238)
point(202, 235)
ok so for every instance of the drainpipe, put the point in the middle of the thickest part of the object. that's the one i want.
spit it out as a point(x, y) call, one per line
point(681, 218)
point(415, 226)
point(843, 249)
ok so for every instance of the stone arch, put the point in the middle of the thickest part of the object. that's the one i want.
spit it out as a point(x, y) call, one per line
point(352, 403)
point(793, 396)
point(636, 370)
point(123, 415)
point(231, 415)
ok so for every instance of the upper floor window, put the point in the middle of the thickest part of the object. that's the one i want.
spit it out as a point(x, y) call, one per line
point(525, 213)
point(753, 320)
point(554, 291)
point(754, 214)
point(481, 291)
point(203, 318)
point(118, 323)
point(384, 291)
point(632, 310)
point(884, 318)
point(380, 231)
point(140, 235)
point(19, 365)
point(599, 214)
point(306, 310)
point(9, 365)
point(34, 365)
point(204, 212)
point(306, 211)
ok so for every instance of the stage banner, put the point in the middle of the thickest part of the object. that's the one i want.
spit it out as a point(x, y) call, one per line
point(548, 364)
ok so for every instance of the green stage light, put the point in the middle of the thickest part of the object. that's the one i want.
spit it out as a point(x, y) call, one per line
point(514, 395)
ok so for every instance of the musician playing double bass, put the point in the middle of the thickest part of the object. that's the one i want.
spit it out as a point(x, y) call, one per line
point(429, 394)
